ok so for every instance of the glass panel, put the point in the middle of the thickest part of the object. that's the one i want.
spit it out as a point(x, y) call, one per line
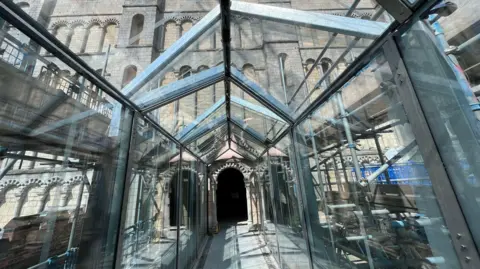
point(368, 192)
point(149, 233)
point(278, 56)
point(446, 95)
point(248, 141)
point(242, 150)
point(192, 60)
point(63, 163)
point(188, 211)
point(210, 144)
point(269, 230)
point(254, 115)
point(288, 207)
point(177, 115)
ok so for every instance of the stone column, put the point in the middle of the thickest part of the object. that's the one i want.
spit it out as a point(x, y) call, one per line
point(249, 203)
point(212, 206)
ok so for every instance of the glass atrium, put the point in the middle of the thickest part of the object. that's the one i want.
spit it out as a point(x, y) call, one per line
point(219, 134)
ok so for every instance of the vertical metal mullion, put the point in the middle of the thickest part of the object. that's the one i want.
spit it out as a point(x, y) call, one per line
point(126, 187)
point(307, 232)
point(445, 195)
point(178, 206)
point(321, 181)
point(272, 199)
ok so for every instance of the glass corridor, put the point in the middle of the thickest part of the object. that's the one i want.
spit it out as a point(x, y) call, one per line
point(157, 134)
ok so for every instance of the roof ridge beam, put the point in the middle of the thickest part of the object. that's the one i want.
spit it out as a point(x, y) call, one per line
point(320, 21)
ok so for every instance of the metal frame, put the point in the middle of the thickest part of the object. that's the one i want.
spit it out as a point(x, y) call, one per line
point(445, 195)
point(261, 95)
point(172, 52)
point(258, 109)
point(200, 132)
point(201, 118)
point(249, 130)
point(31, 28)
point(325, 22)
point(177, 89)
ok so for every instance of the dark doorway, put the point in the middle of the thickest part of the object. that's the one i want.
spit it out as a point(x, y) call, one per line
point(231, 196)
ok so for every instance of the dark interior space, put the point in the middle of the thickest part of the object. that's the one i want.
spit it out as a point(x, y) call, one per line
point(231, 196)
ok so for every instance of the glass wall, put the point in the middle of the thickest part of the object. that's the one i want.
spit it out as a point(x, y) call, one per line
point(448, 98)
point(149, 236)
point(369, 195)
point(63, 162)
point(286, 196)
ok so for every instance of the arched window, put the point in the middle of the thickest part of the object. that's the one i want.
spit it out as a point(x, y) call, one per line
point(136, 29)
point(111, 32)
point(8, 202)
point(246, 34)
point(128, 74)
point(32, 201)
point(185, 71)
point(325, 64)
point(61, 33)
point(170, 34)
point(77, 39)
point(314, 75)
point(249, 72)
point(94, 39)
point(185, 27)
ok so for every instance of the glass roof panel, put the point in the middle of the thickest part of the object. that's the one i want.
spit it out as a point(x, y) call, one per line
point(243, 151)
point(290, 59)
point(210, 143)
point(248, 141)
point(189, 111)
point(250, 114)
point(200, 55)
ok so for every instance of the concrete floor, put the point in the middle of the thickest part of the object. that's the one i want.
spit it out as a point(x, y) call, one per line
point(234, 247)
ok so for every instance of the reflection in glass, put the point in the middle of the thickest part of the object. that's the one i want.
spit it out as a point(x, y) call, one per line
point(368, 192)
point(149, 229)
point(63, 163)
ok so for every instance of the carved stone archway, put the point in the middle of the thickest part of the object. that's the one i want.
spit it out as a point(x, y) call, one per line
point(246, 171)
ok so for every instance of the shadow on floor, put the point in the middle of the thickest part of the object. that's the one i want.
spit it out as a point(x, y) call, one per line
point(234, 247)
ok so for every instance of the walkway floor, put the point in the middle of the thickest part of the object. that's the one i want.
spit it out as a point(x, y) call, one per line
point(234, 247)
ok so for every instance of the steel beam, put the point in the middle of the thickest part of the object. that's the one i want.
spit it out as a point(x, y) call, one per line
point(250, 131)
point(200, 119)
point(225, 15)
point(177, 89)
point(320, 21)
point(261, 95)
point(181, 45)
point(201, 131)
point(255, 108)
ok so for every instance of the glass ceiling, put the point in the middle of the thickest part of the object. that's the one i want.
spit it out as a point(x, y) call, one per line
point(241, 113)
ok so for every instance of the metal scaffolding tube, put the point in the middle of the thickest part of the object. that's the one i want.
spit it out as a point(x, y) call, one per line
point(358, 173)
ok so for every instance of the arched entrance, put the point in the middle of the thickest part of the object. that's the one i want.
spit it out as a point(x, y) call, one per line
point(231, 196)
